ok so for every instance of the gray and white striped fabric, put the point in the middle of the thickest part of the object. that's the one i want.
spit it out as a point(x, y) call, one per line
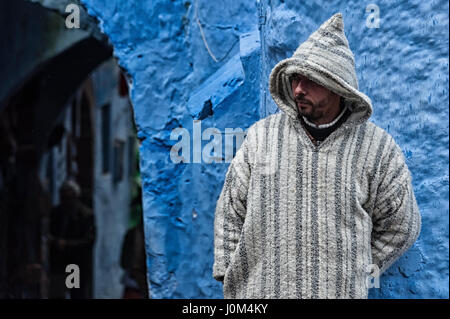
point(296, 220)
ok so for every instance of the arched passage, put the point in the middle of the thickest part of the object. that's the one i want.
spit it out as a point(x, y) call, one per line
point(50, 118)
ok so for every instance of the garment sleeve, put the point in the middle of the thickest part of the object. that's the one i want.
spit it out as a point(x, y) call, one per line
point(231, 208)
point(396, 218)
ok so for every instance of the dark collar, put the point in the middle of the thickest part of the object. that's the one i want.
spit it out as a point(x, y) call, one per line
point(320, 134)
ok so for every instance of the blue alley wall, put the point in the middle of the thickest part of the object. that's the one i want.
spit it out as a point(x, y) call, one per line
point(208, 62)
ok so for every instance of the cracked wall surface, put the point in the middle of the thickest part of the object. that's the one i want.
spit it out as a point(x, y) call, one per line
point(176, 55)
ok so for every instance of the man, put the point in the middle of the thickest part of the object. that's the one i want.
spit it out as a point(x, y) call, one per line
point(317, 196)
point(133, 262)
point(72, 229)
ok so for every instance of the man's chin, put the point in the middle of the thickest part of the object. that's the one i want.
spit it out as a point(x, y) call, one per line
point(305, 113)
point(308, 116)
point(305, 109)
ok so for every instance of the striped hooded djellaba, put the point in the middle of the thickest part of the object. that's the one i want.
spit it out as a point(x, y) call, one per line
point(296, 219)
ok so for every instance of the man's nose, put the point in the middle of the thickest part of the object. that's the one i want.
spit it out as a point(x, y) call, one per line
point(300, 88)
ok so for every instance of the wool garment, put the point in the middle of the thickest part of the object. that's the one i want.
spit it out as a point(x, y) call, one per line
point(297, 219)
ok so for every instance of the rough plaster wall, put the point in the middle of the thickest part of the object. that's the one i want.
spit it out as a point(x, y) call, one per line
point(402, 66)
point(111, 200)
point(160, 45)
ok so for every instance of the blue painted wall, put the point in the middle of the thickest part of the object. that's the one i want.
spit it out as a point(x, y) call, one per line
point(212, 64)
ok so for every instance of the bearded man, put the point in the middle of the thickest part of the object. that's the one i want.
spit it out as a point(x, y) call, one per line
point(317, 196)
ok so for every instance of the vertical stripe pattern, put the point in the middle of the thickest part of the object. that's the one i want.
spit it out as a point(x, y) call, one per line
point(300, 221)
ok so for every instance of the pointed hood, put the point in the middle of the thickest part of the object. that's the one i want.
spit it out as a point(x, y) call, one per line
point(325, 58)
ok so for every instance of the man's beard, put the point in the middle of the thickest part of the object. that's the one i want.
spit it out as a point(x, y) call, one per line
point(313, 113)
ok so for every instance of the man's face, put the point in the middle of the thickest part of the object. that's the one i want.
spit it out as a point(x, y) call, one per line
point(313, 100)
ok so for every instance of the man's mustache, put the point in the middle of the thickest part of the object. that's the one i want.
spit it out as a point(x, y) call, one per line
point(301, 99)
